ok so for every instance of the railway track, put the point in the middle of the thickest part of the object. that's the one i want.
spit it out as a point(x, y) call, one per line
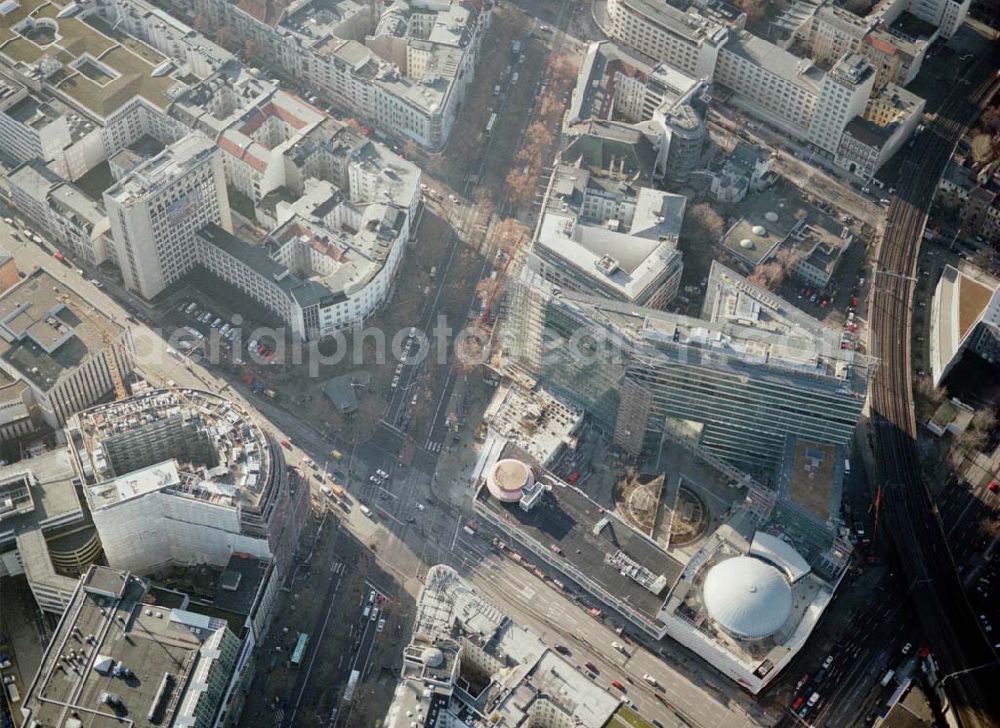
point(968, 669)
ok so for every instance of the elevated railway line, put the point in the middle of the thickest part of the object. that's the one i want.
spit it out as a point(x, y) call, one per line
point(968, 670)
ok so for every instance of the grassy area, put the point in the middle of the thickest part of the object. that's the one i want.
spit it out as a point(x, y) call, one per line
point(626, 718)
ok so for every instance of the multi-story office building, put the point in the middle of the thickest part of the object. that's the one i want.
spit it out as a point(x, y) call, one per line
point(157, 209)
point(616, 90)
point(177, 477)
point(45, 534)
point(843, 95)
point(750, 374)
point(771, 82)
point(685, 40)
point(61, 346)
point(768, 81)
point(405, 68)
point(107, 87)
point(896, 59)
point(602, 236)
point(117, 652)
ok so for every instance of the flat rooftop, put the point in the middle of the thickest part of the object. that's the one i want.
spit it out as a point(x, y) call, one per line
point(962, 298)
point(766, 220)
point(174, 161)
point(688, 25)
point(812, 477)
point(47, 330)
point(626, 253)
point(98, 69)
point(36, 493)
point(776, 60)
point(163, 649)
point(566, 518)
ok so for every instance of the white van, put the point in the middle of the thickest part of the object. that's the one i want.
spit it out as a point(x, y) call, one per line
point(847, 466)
point(366, 510)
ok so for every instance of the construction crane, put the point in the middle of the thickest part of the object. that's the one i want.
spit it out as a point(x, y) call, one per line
point(116, 376)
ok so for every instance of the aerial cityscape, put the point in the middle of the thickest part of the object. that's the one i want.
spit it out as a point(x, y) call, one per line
point(499, 363)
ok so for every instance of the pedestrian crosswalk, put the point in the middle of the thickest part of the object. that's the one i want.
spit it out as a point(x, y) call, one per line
point(279, 717)
point(432, 446)
point(337, 567)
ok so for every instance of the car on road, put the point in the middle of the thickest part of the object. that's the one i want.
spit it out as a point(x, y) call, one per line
point(906, 648)
point(286, 444)
point(563, 650)
point(618, 684)
point(798, 702)
point(650, 679)
point(827, 662)
point(994, 486)
point(592, 667)
point(802, 682)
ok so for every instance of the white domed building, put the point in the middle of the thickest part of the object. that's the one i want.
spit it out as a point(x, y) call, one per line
point(747, 597)
point(746, 602)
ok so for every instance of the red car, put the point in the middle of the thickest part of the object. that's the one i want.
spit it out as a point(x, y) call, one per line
point(286, 444)
point(798, 702)
point(573, 477)
point(618, 684)
point(993, 486)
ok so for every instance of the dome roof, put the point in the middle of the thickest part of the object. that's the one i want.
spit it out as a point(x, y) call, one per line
point(433, 657)
point(508, 478)
point(749, 598)
point(758, 230)
point(746, 243)
point(771, 216)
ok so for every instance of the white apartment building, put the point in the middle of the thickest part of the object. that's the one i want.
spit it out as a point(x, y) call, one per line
point(62, 347)
point(29, 127)
point(831, 31)
point(786, 90)
point(335, 249)
point(602, 236)
point(844, 94)
point(947, 15)
point(771, 82)
point(686, 40)
point(404, 68)
point(157, 209)
point(258, 137)
point(61, 211)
